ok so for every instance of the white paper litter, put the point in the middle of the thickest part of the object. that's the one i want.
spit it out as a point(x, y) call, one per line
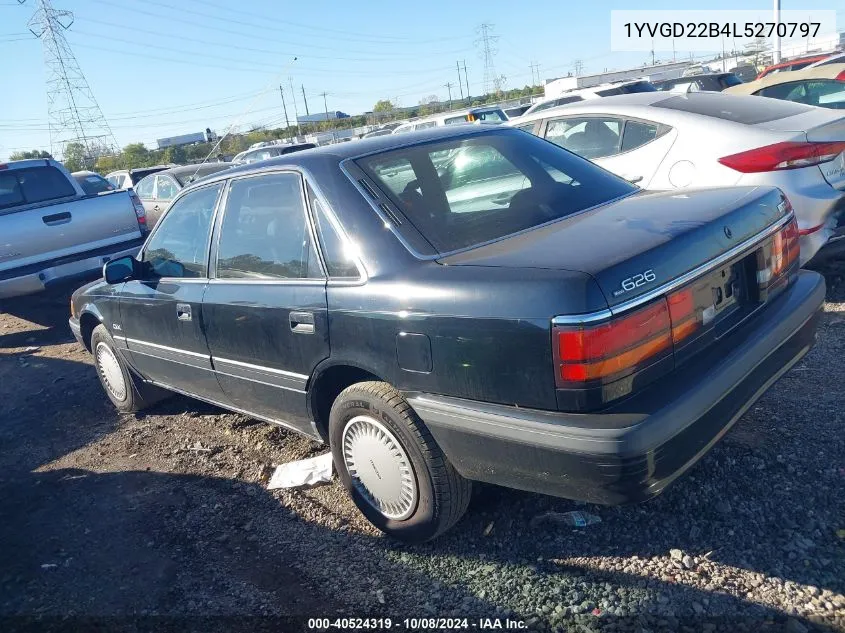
point(304, 472)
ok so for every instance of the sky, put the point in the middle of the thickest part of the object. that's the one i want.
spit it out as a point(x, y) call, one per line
point(160, 68)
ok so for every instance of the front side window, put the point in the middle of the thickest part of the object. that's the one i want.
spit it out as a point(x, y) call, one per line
point(265, 234)
point(590, 137)
point(493, 184)
point(179, 246)
point(146, 188)
point(166, 188)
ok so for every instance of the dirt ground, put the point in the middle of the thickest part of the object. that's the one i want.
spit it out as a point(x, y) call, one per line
point(166, 516)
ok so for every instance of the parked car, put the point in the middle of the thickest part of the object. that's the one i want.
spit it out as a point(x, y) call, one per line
point(822, 86)
point(793, 64)
point(583, 94)
point(53, 231)
point(714, 82)
point(455, 117)
point(704, 139)
point(573, 336)
point(158, 190)
point(380, 132)
point(837, 58)
point(270, 151)
point(126, 178)
point(746, 72)
point(92, 183)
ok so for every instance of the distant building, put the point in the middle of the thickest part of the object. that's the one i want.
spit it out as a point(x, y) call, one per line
point(322, 116)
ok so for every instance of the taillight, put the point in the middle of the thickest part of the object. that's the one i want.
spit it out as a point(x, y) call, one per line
point(140, 212)
point(779, 260)
point(609, 351)
point(841, 76)
point(786, 155)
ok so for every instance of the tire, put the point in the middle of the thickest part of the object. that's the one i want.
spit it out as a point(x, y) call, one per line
point(373, 431)
point(123, 387)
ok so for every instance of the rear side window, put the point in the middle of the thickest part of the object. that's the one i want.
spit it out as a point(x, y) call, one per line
point(32, 185)
point(93, 184)
point(339, 262)
point(638, 133)
point(491, 185)
point(145, 188)
point(265, 234)
point(738, 109)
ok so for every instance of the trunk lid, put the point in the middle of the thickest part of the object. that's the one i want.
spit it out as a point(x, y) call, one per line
point(831, 131)
point(637, 244)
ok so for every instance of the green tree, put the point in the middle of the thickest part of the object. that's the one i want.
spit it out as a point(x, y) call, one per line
point(136, 155)
point(74, 156)
point(174, 155)
point(383, 106)
point(36, 153)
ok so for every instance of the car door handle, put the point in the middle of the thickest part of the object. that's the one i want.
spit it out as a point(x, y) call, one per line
point(156, 208)
point(56, 218)
point(183, 311)
point(633, 179)
point(302, 322)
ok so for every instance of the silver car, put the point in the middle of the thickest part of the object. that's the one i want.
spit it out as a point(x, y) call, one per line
point(662, 141)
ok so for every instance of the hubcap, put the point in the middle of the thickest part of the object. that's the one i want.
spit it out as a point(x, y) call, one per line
point(110, 372)
point(379, 467)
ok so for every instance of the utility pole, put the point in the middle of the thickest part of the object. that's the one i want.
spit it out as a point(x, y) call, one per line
point(323, 94)
point(652, 51)
point(460, 85)
point(295, 111)
point(449, 88)
point(284, 107)
point(776, 47)
point(305, 100)
point(466, 79)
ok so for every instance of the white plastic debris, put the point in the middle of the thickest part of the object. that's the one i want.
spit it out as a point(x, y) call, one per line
point(304, 472)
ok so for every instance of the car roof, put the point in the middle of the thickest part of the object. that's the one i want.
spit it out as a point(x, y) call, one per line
point(691, 77)
point(605, 104)
point(828, 71)
point(362, 147)
point(796, 60)
point(190, 169)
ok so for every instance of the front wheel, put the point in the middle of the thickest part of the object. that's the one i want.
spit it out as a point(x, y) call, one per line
point(392, 467)
point(126, 390)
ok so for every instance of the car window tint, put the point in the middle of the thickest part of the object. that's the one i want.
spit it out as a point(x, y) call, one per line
point(145, 188)
point(638, 133)
point(93, 184)
point(166, 188)
point(737, 108)
point(526, 127)
point(590, 137)
point(491, 116)
point(397, 175)
point(179, 245)
point(492, 185)
point(264, 234)
point(827, 93)
point(39, 184)
point(426, 125)
point(455, 120)
point(339, 261)
point(10, 190)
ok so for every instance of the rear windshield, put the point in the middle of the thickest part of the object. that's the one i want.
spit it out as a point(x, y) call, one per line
point(31, 185)
point(92, 183)
point(640, 86)
point(736, 108)
point(472, 189)
point(729, 80)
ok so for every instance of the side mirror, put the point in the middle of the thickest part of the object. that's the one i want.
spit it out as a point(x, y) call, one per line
point(120, 269)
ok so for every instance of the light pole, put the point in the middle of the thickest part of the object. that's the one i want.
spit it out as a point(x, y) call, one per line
point(776, 47)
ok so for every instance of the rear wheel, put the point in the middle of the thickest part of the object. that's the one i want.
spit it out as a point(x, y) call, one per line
point(391, 466)
point(126, 390)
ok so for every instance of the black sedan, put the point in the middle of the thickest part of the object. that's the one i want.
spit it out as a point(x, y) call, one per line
point(465, 303)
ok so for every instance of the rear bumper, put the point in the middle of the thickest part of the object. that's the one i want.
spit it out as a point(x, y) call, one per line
point(32, 279)
point(632, 451)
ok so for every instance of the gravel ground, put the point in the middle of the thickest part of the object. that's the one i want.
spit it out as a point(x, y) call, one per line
point(167, 514)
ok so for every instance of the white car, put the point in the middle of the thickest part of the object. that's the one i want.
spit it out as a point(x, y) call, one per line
point(596, 92)
point(708, 139)
point(490, 114)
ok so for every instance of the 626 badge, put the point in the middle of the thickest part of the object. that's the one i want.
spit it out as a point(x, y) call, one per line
point(635, 281)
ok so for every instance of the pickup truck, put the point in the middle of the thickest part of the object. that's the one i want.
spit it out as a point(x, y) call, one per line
point(51, 231)
point(515, 315)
